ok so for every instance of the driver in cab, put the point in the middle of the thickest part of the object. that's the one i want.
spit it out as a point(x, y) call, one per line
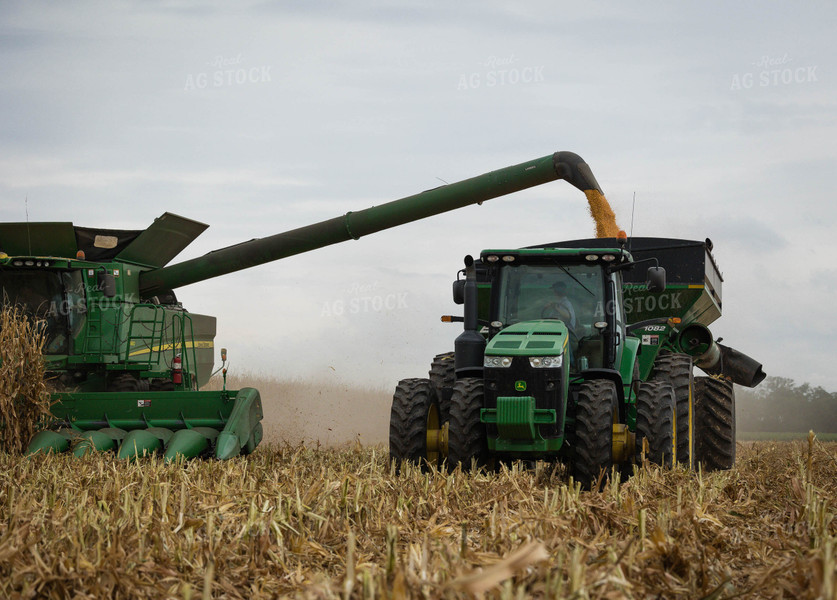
point(560, 306)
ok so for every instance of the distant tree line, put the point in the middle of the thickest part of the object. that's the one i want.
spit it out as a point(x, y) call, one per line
point(780, 404)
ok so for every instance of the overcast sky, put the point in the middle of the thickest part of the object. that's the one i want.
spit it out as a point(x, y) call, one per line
point(719, 116)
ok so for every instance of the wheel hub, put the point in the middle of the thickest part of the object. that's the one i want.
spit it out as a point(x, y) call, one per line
point(624, 443)
point(437, 443)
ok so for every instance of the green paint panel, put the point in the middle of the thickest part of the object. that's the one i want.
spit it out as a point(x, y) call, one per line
point(530, 338)
point(240, 429)
point(94, 441)
point(167, 236)
point(45, 442)
point(138, 444)
point(140, 410)
point(516, 417)
point(691, 304)
point(187, 443)
point(38, 239)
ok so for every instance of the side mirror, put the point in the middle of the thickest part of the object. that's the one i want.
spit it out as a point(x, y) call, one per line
point(459, 291)
point(107, 283)
point(656, 279)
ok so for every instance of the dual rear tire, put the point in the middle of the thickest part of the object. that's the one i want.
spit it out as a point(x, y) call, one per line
point(656, 431)
point(714, 423)
point(417, 433)
point(676, 369)
point(415, 410)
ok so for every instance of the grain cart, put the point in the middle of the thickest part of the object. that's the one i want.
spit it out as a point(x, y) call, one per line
point(573, 351)
point(671, 346)
point(128, 361)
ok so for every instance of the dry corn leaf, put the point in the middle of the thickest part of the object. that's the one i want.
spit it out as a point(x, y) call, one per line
point(482, 580)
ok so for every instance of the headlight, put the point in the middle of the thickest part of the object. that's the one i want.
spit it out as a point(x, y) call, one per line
point(502, 362)
point(546, 362)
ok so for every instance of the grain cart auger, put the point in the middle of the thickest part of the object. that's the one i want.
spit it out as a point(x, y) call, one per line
point(128, 360)
point(572, 352)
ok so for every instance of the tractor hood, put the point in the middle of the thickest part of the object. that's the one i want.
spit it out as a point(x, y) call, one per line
point(530, 338)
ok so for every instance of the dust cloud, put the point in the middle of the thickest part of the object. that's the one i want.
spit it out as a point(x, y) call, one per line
point(316, 411)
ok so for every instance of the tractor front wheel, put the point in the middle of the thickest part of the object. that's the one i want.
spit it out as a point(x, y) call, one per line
point(656, 422)
point(591, 442)
point(466, 433)
point(414, 419)
point(714, 423)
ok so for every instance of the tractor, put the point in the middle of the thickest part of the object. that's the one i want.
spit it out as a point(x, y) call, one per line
point(575, 352)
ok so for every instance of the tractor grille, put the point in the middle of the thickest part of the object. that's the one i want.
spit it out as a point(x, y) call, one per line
point(545, 385)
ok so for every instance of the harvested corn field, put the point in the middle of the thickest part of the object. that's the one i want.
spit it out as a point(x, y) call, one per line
point(340, 523)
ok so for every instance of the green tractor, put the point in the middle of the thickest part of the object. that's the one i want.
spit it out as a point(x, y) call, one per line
point(571, 351)
point(127, 361)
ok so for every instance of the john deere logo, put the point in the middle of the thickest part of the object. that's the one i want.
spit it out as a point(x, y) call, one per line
point(520, 386)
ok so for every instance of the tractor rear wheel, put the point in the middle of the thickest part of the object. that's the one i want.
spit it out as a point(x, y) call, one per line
point(591, 440)
point(677, 370)
point(714, 423)
point(467, 440)
point(656, 421)
point(415, 411)
point(443, 376)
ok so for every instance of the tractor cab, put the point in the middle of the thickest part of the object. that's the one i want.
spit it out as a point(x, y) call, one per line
point(555, 319)
point(540, 289)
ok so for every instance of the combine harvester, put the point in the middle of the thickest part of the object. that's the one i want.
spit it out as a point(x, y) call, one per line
point(128, 360)
point(571, 352)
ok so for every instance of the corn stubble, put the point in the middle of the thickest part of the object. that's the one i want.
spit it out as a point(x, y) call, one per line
point(24, 400)
point(334, 523)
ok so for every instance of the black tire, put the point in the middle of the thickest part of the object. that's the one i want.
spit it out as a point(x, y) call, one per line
point(714, 423)
point(677, 370)
point(655, 421)
point(443, 376)
point(161, 384)
point(591, 440)
point(467, 441)
point(125, 382)
point(414, 408)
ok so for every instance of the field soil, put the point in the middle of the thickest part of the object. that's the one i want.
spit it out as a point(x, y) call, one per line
point(340, 523)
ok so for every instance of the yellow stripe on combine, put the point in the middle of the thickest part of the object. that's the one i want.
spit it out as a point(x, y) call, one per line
point(696, 286)
point(206, 344)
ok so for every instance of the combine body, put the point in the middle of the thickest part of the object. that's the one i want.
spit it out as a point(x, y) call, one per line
point(128, 361)
point(126, 366)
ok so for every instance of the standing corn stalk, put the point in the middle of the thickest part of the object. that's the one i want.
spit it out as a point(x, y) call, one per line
point(24, 400)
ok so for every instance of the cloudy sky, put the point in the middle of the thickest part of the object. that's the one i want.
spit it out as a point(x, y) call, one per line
point(718, 116)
